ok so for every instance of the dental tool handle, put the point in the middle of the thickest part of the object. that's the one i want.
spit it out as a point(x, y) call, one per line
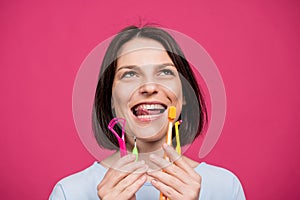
point(163, 197)
point(136, 153)
point(121, 141)
point(169, 134)
point(135, 150)
point(171, 117)
point(169, 138)
point(123, 151)
point(178, 146)
point(169, 142)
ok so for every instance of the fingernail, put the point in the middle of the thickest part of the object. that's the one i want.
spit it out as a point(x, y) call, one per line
point(142, 162)
point(154, 182)
point(165, 145)
point(151, 171)
point(145, 167)
point(143, 178)
point(152, 156)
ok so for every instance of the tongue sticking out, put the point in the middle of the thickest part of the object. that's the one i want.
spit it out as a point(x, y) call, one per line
point(148, 110)
point(143, 111)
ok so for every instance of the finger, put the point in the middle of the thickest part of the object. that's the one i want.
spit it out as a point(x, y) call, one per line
point(167, 179)
point(131, 178)
point(171, 153)
point(123, 161)
point(166, 190)
point(131, 189)
point(173, 188)
point(130, 184)
point(132, 167)
point(121, 192)
point(178, 160)
point(170, 168)
point(114, 176)
point(159, 161)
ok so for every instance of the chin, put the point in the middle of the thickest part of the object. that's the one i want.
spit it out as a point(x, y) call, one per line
point(150, 132)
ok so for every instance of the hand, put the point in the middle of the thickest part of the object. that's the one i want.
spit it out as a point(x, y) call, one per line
point(123, 179)
point(177, 180)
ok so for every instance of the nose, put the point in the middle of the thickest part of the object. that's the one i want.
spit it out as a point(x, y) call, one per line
point(148, 88)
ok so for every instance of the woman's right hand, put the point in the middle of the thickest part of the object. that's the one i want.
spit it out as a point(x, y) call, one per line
point(123, 179)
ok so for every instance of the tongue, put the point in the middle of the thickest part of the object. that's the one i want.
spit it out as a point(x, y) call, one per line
point(143, 111)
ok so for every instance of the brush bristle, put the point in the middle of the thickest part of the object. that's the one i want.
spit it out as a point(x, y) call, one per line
point(172, 113)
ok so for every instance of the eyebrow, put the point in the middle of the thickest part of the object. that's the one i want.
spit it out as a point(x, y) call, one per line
point(134, 66)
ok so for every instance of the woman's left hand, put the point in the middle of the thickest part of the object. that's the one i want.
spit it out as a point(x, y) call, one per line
point(178, 180)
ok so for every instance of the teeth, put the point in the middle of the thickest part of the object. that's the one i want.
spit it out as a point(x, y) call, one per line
point(149, 106)
point(146, 116)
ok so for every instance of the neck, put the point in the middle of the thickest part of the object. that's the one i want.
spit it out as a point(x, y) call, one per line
point(146, 148)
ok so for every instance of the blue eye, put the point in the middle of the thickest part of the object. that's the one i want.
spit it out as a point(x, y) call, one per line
point(129, 74)
point(166, 72)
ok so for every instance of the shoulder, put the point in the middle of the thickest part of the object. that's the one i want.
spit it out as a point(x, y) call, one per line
point(95, 170)
point(219, 181)
point(80, 185)
point(214, 171)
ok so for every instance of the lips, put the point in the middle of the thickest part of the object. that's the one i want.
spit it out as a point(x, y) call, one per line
point(148, 110)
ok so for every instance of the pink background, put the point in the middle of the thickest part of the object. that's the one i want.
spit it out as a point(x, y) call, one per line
point(255, 44)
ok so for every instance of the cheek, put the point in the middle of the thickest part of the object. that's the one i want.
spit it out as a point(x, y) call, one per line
point(176, 89)
point(116, 99)
point(117, 103)
point(121, 94)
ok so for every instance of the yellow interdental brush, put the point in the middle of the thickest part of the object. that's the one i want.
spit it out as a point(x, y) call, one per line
point(178, 147)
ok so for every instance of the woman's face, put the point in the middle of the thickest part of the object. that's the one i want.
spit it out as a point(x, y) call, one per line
point(146, 84)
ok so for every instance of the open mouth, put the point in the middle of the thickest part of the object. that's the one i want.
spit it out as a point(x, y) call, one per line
point(148, 110)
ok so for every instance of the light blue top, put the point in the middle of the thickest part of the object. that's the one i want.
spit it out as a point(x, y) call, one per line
point(217, 184)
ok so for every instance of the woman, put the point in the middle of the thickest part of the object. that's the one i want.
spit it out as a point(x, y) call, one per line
point(143, 74)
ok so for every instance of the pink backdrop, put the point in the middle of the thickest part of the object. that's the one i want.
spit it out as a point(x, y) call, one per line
point(255, 44)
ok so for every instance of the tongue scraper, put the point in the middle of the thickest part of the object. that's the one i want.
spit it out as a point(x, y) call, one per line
point(122, 145)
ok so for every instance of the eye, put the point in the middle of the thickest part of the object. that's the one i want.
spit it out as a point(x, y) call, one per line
point(166, 72)
point(129, 74)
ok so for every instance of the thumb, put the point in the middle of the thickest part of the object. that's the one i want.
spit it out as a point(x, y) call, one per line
point(133, 198)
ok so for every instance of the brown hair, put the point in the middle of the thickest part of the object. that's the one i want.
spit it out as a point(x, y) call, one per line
point(102, 110)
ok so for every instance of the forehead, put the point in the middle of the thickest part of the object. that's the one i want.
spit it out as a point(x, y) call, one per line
point(141, 51)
